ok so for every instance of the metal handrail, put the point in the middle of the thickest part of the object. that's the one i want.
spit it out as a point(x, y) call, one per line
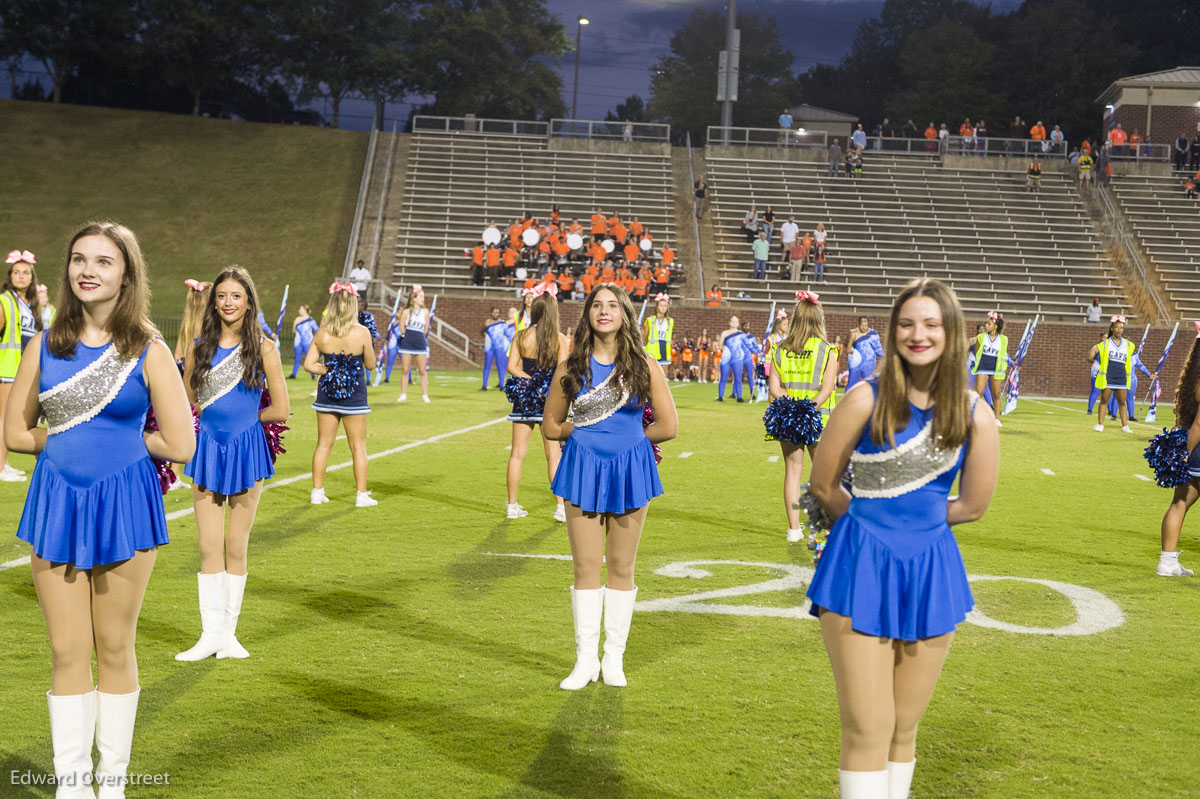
point(1143, 151)
point(609, 129)
point(1126, 240)
point(383, 193)
point(988, 145)
point(892, 145)
point(768, 137)
point(361, 205)
point(695, 221)
point(480, 126)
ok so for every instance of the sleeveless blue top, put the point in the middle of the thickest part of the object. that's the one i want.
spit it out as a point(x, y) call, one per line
point(231, 448)
point(94, 497)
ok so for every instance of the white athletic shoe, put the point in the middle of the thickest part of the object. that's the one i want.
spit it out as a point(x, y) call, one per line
point(425, 398)
point(318, 496)
point(11, 475)
point(402, 398)
point(1126, 429)
point(8, 467)
point(363, 500)
point(1171, 567)
point(796, 535)
point(1098, 428)
point(999, 423)
point(560, 514)
point(178, 484)
point(515, 511)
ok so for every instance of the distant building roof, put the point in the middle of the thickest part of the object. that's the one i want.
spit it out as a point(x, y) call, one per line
point(1178, 78)
point(812, 113)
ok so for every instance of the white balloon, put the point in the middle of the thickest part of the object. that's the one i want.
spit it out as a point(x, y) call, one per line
point(491, 235)
point(574, 241)
point(530, 237)
point(646, 244)
point(608, 245)
point(521, 273)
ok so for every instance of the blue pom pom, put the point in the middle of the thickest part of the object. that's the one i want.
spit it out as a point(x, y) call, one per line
point(367, 320)
point(795, 421)
point(341, 377)
point(1168, 456)
point(528, 395)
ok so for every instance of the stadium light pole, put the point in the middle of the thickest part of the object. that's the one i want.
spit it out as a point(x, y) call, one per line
point(579, 23)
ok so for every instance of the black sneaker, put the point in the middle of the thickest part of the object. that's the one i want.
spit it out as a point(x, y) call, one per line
point(291, 377)
point(719, 399)
point(483, 389)
point(740, 399)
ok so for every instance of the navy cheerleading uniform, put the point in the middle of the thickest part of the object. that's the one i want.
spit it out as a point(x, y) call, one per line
point(342, 390)
point(529, 396)
point(415, 341)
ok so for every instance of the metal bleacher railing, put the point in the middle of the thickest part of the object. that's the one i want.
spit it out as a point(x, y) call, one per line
point(768, 137)
point(987, 145)
point(1135, 258)
point(479, 125)
point(612, 130)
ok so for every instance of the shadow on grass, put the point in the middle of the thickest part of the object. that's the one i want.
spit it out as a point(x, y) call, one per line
point(13, 767)
point(478, 565)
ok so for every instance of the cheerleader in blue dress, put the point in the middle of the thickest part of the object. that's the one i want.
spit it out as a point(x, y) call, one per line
point(537, 350)
point(891, 587)
point(414, 321)
point(341, 355)
point(608, 473)
point(225, 374)
point(732, 355)
point(94, 512)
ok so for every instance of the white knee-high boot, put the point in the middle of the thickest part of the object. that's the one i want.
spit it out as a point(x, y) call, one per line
point(900, 778)
point(115, 716)
point(211, 590)
point(236, 589)
point(618, 615)
point(72, 727)
point(863, 784)
point(587, 608)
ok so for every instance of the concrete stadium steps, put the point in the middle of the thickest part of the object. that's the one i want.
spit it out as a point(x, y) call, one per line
point(977, 229)
point(456, 184)
point(1166, 225)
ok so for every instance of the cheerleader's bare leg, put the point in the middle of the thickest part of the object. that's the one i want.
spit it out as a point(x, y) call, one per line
point(980, 383)
point(1172, 523)
point(793, 468)
point(997, 387)
point(553, 456)
point(1122, 408)
point(405, 365)
point(4, 389)
point(327, 427)
point(356, 437)
point(423, 370)
point(521, 433)
point(1102, 406)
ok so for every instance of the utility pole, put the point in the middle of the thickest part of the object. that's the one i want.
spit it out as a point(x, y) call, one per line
point(727, 69)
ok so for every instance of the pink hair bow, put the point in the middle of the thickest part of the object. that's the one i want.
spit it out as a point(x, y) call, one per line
point(1115, 319)
point(42, 287)
point(417, 289)
point(995, 317)
point(781, 314)
point(528, 293)
point(545, 288)
point(346, 287)
point(661, 297)
point(1198, 330)
point(16, 256)
point(194, 285)
point(808, 296)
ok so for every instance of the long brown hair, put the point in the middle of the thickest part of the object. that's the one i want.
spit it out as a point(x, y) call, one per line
point(630, 366)
point(951, 420)
point(129, 324)
point(1187, 388)
point(193, 317)
point(210, 332)
point(31, 295)
point(807, 321)
point(543, 318)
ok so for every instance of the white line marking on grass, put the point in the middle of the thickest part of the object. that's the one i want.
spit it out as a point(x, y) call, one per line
point(179, 514)
point(1143, 477)
point(1047, 471)
point(773, 459)
point(524, 555)
point(12, 564)
point(685, 454)
point(1079, 410)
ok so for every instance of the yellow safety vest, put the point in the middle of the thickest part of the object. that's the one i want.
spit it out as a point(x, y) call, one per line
point(1085, 163)
point(10, 339)
point(1102, 375)
point(651, 338)
point(1001, 356)
point(801, 374)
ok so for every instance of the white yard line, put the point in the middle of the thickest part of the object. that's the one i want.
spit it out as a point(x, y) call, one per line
point(1080, 410)
point(685, 454)
point(1143, 477)
point(12, 564)
point(772, 459)
point(1047, 471)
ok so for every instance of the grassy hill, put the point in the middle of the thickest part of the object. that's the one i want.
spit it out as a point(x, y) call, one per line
point(199, 193)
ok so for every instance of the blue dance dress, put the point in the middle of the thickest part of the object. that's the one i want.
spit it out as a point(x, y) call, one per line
point(608, 463)
point(94, 497)
point(231, 449)
point(891, 563)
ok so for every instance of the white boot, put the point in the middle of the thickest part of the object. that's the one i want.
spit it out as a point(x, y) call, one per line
point(72, 727)
point(230, 648)
point(211, 588)
point(900, 778)
point(115, 715)
point(618, 614)
point(863, 784)
point(587, 608)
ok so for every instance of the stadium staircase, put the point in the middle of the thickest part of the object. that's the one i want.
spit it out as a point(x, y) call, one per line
point(908, 216)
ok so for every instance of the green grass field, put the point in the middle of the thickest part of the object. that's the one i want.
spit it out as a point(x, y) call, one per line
point(410, 650)
point(199, 193)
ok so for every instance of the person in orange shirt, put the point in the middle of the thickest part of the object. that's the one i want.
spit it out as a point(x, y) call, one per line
point(526, 221)
point(617, 230)
point(644, 273)
point(554, 215)
point(477, 264)
point(640, 285)
point(668, 256)
point(599, 225)
point(628, 283)
point(805, 250)
point(492, 260)
point(560, 247)
point(589, 280)
point(713, 298)
point(636, 228)
point(565, 283)
point(686, 356)
point(530, 283)
point(594, 271)
point(550, 279)
point(631, 252)
point(544, 247)
point(1038, 132)
point(715, 370)
point(509, 259)
point(514, 233)
point(608, 274)
point(662, 279)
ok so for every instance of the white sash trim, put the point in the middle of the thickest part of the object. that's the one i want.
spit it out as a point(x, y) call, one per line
point(220, 380)
point(105, 362)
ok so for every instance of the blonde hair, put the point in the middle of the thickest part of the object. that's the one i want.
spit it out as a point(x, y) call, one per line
point(341, 314)
point(807, 321)
point(193, 318)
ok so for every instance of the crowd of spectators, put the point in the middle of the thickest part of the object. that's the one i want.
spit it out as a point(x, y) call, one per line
point(573, 257)
point(798, 251)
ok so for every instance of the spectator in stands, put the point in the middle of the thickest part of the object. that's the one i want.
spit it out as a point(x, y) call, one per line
point(819, 264)
point(1093, 311)
point(859, 138)
point(885, 129)
point(750, 225)
point(617, 229)
point(662, 279)
point(788, 232)
point(1181, 152)
point(632, 252)
point(762, 253)
point(1017, 129)
point(476, 264)
point(1073, 156)
point(599, 225)
point(360, 277)
point(910, 130)
point(819, 234)
point(850, 156)
point(491, 262)
point(508, 265)
point(1038, 134)
point(565, 284)
point(806, 251)
point(1103, 165)
point(785, 126)
point(713, 298)
point(1189, 188)
point(967, 131)
point(768, 223)
point(1195, 160)
point(1117, 138)
point(796, 260)
point(1033, 175)
point(858, 165)
point(943, 137)
point(700, 189)
point(835, 157)
point(931, 137)
point(981, 136)
point(1085, 170)
point(627, 130)
point(1056, 140)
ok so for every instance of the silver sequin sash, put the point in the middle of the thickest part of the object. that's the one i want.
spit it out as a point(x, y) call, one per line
point(601, 402)
point(220, 380)
point(894, 472)
point(86, 393)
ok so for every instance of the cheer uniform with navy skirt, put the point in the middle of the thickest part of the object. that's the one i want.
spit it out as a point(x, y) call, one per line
point(94, 497)
point(231, 448)
point(528, 395)
point(607, 464)
point(342, 390)
point(891, 563)
point(415, 341)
